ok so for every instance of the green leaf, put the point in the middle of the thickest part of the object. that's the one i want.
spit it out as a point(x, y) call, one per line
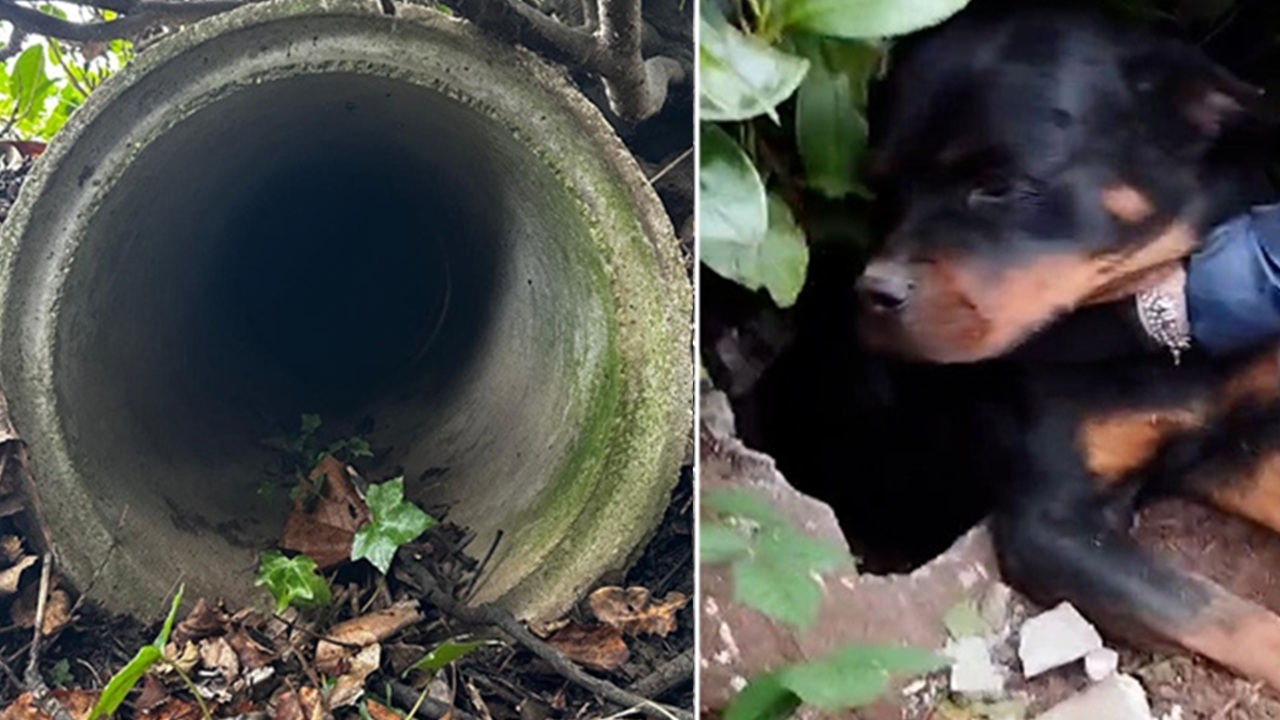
point(855, 676)
point(163, 637)
point(866, 18)
point(741, 76)
point(292, 581)
point(744, 504)
point(721, 543)
point(60, 674)
point(831, 125)
point(732, 205)
point(787, 546)
point(764, 698)
point(783, 592)
point(310, 423)
point(394, 522)
point(30, 85)
point(122, 683)
point(448, 651)
point(776, 261)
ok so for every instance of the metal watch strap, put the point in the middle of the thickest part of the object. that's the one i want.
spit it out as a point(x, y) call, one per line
point(1162, 310)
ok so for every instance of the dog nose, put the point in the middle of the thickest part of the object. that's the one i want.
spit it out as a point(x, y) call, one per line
point(885, 286)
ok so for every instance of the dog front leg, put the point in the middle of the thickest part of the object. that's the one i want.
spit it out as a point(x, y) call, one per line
point(1076, 554)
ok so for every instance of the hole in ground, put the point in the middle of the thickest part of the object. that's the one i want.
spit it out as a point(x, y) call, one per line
point(880, 443)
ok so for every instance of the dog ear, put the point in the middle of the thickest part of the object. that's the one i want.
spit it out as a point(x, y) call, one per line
point(1202, 95)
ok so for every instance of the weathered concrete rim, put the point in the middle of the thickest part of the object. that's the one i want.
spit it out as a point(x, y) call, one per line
point(651, 294)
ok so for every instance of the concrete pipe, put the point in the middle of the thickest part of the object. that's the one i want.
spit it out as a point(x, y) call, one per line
point(316, 207)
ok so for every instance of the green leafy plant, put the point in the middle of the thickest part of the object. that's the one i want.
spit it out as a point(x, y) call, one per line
point(299, 455)
point(147, 657)
point(849, 678)
point(773, 563)
point(50, 79)
point(446, 652)
point(394, 522)
point(60, 674)
point(789, 74)
point(292, 581)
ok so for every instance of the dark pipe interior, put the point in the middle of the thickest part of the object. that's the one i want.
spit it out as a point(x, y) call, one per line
point(334, 244)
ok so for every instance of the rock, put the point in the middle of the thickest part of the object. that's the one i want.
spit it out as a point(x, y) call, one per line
point(1119, 697)
point(1100, 663)
point(972, 671)
point(1054, 638)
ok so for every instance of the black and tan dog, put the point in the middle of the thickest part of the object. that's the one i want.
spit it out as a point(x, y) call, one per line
point(1037, 165)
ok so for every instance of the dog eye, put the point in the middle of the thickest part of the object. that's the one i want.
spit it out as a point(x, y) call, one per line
point(997, 189)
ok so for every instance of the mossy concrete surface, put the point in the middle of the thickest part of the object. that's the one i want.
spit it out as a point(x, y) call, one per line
point(316, 207)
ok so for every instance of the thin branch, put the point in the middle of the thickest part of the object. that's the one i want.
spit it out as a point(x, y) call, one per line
point(33, 658)
point(505, 622)
point(16, 39)
point(141, 16)
point(637, 88)
point(670, 675)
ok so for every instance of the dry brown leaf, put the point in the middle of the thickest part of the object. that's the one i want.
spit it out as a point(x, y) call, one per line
point(325, 532)
point(56, 611)
point(76, 702)
point(153, 693)
point(305, 704)
point(632, 611)
point(345, 638)
point(350, 685)
point(546, 629)
point(600, 647)
point(11, 576)
point(378, 711)
point(92, 50)
point(217, 654)
point(203, 621)
point(184, 659)
point(174, 709)
point(250, 652)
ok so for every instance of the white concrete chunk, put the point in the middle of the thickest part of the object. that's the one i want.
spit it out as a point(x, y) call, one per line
point(1100, 663)
point(972, 671)
point(1054, 638)
point(1119, 697)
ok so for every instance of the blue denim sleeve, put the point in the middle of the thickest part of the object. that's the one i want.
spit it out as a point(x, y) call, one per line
point(1233, 283)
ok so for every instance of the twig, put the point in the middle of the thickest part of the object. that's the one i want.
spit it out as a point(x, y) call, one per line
point(470, 591)
point(670, 166)
point(140, 16)
point(610, 47)
point(16, 39)
point(33, 658)
point(40, 692)
point(504, 621)
point(670, 675)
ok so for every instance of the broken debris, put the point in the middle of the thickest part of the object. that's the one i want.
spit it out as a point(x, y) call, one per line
point(1119, 697)
point(1055, 638)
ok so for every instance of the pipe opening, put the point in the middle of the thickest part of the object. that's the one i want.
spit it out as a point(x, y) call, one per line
point(342, 244)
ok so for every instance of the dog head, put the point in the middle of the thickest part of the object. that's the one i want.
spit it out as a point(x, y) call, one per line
point(1032, 163)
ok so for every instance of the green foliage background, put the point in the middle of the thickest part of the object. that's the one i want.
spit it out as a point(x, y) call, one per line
point(41, 86)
